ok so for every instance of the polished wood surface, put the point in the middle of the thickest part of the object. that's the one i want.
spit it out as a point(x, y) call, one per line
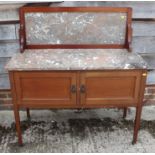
point(74, 9)
point(16, 109)
point(111, 88)
point(80, 46)
point(64, 88)
point(45, 88)
point(139, 108)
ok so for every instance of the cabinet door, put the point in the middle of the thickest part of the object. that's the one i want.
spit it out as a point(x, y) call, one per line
point(51, 89)
point(109, 88)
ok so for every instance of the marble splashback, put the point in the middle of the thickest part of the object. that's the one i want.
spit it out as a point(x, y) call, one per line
point(75, 28)
point(76, 59)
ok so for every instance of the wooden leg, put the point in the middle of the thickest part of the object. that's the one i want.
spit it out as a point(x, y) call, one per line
point(137, 124)
point(125, 112)
point(28, 113)
point(18, 129)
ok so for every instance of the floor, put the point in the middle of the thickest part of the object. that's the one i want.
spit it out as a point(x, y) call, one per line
point(97, 130)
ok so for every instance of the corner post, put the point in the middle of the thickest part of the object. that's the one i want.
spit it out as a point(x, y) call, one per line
point(139, 107)
point(18, 128)
point(15, 108)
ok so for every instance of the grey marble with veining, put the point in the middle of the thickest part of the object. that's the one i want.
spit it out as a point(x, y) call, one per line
point(76, 59)
point(75, 28)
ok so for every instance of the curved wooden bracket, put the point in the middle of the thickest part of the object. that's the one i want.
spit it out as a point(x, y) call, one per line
point(129, 38)
point(21, 39)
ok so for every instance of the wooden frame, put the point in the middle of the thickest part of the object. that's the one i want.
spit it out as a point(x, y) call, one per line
point(25, 10)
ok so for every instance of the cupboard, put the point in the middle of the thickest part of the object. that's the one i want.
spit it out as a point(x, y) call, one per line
point(76, 57)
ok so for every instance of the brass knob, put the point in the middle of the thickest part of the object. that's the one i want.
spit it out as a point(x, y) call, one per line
point(73, 89)
point(144, 74)
point(82, 89)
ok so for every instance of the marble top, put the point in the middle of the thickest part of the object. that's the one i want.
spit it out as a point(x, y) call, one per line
point(75, 28)
point(76, 59)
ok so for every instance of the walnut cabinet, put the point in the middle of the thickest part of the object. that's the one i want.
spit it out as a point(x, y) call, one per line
point(38, 85)
point(77, 89)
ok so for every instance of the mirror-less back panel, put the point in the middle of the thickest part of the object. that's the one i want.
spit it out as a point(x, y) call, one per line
point(45, 27)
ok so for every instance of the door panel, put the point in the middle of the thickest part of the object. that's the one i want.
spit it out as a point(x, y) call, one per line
point(110, 87)
point(46, 87)
point(114, 87)
point(52, 88)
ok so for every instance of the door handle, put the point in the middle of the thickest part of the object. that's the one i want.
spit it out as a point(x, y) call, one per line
point(73, 89)
point(82, 89)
